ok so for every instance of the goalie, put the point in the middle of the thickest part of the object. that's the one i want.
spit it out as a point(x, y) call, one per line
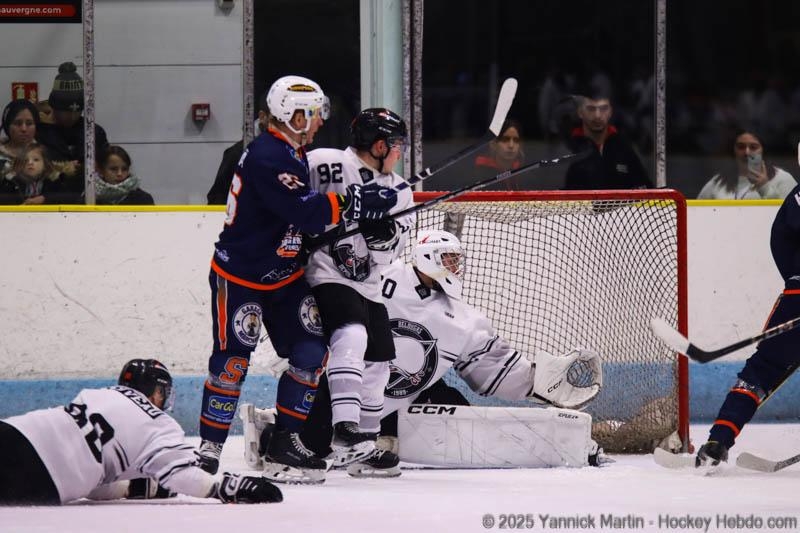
point(434, 330)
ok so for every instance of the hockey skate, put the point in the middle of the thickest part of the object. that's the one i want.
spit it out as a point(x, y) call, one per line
point(598, 457)
point(256, 422)
point(351, 445)
point(289, 461)
point(208, 455)
point(383, 463)
point(711, 454)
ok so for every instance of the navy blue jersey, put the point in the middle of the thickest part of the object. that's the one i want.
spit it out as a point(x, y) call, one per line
point(269, 206)
point(785, 239)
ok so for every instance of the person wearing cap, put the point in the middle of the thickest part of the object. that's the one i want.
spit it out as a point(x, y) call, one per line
point(64, 138)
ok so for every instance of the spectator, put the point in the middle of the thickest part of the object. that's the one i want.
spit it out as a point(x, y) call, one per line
point(613, 163)
point(45, 112)
point(117, 185)
point(505, 153)
point(218, 194)
point(65, 137)
point(33, 180)
point(748, 177)
point(20, 121)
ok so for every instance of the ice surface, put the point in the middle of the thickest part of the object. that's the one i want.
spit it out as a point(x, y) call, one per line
point(422, 501)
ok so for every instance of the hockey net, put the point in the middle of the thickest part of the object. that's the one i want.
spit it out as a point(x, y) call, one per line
point(554, 270)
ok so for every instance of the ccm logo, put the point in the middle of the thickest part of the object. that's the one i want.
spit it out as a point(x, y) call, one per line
point(432, 409)
point(554, 386)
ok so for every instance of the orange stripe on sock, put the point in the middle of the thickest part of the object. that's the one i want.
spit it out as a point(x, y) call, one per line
point(226, 392)
point(289, 412)
point(214, 424)
point(749, 393)
point(729, 424)
point(222, 312)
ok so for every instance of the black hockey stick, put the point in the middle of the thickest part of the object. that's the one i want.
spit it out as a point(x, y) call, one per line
point(334, 234)
point(681, 344)
point(504, 101)
point(754, 462)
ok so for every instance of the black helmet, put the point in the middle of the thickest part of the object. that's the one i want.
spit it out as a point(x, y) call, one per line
point(145, 375)
point(374, 124)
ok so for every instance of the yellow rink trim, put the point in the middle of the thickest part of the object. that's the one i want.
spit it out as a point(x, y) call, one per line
point(110, 208)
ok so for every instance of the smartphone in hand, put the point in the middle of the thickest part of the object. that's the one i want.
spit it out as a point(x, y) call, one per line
point(754, 162)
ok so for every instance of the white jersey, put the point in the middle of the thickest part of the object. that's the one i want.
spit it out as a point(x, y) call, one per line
point(433, 332)
point(112, 434)
point(348, 261)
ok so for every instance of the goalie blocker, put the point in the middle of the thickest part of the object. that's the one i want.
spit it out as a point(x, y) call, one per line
point(494, 437)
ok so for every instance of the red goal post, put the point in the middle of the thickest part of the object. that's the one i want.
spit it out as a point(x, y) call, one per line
point(557, 269)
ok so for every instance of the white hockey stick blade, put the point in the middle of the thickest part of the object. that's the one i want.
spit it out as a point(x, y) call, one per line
point(754, 462)
point(669, 335)
point(674, 461)
point(504, 101)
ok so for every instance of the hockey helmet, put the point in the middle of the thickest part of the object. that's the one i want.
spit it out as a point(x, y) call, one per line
point(374, 124)
point(439, 254)
point(147, 375)
point(292, 93)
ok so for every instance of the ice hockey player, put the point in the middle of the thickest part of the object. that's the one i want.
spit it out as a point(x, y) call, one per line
point(435, 330)
point(775, 359)
point(92, 447)
point(345, 277)
point(256, 275)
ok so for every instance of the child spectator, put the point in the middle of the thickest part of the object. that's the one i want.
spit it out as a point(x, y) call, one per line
point(117, 185)
point(32, 180)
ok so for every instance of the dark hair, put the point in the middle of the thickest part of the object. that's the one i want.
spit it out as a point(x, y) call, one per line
point(729, 176)
point(21, 159)
point(14, 108)
point(511, 123)
point(117, 151)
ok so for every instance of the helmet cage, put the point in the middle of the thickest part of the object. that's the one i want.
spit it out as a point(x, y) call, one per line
point(439, 255)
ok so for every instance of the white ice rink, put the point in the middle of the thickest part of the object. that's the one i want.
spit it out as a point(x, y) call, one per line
point(634, 489)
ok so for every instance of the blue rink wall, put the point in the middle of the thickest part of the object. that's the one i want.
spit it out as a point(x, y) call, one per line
point(708, 385)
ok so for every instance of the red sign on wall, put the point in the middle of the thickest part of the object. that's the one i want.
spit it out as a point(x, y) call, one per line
point(25, 90)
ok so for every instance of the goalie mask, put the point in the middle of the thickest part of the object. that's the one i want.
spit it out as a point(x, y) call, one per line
point(147, 375)
point(292, 93)
point(439, 254)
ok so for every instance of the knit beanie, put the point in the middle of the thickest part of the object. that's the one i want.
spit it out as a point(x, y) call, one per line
point(13, 109)
point(67, 93)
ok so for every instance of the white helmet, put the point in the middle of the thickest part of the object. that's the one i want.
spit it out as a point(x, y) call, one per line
point(439, 255)
point(290, 93)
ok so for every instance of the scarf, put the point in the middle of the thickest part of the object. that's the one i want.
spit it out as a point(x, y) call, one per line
point(114, 193)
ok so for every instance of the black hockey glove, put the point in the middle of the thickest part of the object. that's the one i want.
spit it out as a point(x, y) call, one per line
point(381, 235)
point(236, 488)
point(366, 202)
point(145, 488)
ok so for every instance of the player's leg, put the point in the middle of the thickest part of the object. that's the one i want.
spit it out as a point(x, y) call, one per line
point(762, 372)
point(24, 479)
point(293, 323)
point(236, 323)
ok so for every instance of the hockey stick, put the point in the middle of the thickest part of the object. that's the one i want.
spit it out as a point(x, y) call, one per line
point(681, 344)
point(336, 233)
point(754, 462)
point(504, 101)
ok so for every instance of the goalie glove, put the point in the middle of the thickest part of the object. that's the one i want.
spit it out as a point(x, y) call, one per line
point(236, 488)
point(570, 381)
point(381, 235)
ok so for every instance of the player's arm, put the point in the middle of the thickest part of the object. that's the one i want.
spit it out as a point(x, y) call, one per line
point(491, 367)
point(387, 238)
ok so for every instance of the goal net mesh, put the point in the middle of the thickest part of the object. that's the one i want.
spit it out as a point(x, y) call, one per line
point(556, 273)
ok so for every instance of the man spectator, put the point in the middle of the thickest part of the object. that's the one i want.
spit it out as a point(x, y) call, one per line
point(613, 164)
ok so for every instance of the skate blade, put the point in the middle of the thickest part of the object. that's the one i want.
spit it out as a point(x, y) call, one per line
point(365, 471)
point(279, 473)
point(343, 455)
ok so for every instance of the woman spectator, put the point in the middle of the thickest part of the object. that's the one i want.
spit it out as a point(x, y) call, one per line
point(749, 176)
point(117, 185)
point(505, 153)
point(20, 120)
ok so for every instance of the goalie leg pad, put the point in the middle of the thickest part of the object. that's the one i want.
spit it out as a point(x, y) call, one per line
point(494, 437)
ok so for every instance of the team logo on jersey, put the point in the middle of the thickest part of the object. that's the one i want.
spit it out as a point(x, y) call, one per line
point(247, 323)
point(404, 382)
point(350, 265)
point(309, 316)
point(366, 174)
point(291, 243)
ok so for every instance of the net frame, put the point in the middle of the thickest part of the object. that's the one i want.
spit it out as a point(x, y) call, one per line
point(523, 207)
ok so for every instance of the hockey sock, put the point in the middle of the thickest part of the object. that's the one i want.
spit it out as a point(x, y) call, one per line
point(221, 396)
point(376, 375)
point(293, 401)
point(345, 369)
point(738, 408)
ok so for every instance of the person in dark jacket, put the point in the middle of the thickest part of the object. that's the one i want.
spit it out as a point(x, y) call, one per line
point(613, 163)
point(218, 194)
point(117, 184)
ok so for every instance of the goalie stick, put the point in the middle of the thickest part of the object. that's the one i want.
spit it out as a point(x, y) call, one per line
point(754, 462)
point(312, 243)
point(504, 101)
point(681, 344)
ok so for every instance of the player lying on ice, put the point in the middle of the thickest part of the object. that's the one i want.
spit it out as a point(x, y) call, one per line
point(434, 330)
point(100, 445)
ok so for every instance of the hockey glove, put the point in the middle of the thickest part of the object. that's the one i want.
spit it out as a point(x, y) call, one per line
point(366, 202)
point(236, 488)
point(381, 235)
point(571, 380)
point(145, 488)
